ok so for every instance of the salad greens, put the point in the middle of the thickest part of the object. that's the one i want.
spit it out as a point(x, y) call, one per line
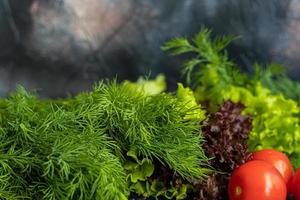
point(149, 87)
point(216, 79)
point(226, 136)
point(143, 181)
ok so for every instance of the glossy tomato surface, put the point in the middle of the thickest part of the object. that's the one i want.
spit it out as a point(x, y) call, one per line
point(279, 160)
point(256, 180)
point(295, 185)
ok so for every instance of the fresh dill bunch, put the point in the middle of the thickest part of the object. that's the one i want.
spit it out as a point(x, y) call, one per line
point(154, 126)
point(54, 152)
point(76, 148)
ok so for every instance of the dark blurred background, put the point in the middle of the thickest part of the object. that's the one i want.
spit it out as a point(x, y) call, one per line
point(63, 46)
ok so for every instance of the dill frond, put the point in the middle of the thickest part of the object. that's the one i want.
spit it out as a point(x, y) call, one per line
point(215, 71)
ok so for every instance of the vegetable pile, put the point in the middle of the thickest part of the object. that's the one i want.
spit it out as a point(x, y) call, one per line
point(134, 140)
point(79, 148)
point(266, 95)
point(216, 79)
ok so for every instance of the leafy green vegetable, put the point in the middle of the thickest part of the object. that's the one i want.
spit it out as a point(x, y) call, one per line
point(275, 124)
point(138, 170)
point(50, 152)
point(143, 182)
point(275, 118)
point(156, 189)
point(149, 87)
point(226, 143)
point(186, 96)
point(76, 148)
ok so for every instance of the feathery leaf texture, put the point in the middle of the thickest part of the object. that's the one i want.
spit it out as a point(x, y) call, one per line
point(76, 148)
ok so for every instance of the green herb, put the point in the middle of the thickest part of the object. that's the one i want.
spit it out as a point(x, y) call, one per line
point(76, 148)
point(50, 152)
point(153, 126)
point(141, 179)
point(215, 73)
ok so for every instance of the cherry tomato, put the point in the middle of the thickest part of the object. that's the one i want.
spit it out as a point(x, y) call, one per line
point(295, 185)
point(289, 186)
point(256, 180)
point(279, 160)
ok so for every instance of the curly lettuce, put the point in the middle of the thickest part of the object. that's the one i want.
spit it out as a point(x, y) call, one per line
point(216, 79)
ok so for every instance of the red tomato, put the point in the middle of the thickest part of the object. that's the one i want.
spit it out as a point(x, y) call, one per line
point(279, 160)
point(295, 185)
point(256, 180)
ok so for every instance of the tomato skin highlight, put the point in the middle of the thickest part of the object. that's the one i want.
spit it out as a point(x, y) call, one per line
point(295, 185)
point(279, 160)
point(256, 180)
